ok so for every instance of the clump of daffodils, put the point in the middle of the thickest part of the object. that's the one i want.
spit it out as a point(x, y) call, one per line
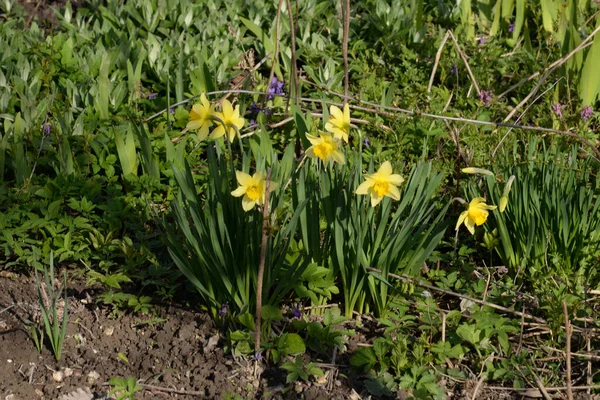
point(326, 148)
point(478, 210)
point(339, 122)
point(228, 122)
point(253, 188)
point(476, 214)
point(381, 184)
point(203, 116)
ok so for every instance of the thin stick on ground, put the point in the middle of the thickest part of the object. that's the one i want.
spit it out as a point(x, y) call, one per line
point(276, 55)
point(464, 58)
point(540, 386)
point(261, 265)
point(438, 55)
point(294, 82)
point(346, 22)
point(568, 350)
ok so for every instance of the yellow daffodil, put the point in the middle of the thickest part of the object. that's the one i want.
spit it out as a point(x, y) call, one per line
point(253, 189)
point(481, 171)
point(476, 214)
point(339, 122)
point(325, 147)
point(230, 123)
point(504, 198)
point(201, 117)
point(380, 184)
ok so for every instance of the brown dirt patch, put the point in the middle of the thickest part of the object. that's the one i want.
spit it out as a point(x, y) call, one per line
point(178, 355)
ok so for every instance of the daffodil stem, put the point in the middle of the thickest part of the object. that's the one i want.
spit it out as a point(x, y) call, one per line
point(261, 265)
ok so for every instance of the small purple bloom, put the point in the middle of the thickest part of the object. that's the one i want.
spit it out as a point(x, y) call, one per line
point(152, 96)
point(224, 309)
point(258, 355)
point(254, 108)
point(275, 88)
point(454, 69)
point(367, 142)
point(587, 113)
point(47, 129)
point(511, 27)
point(485, 97)
point(296, 311)
point(557, 110)
point(252, 123)
point(267, 111)
point(481, 41)
point(172, 110)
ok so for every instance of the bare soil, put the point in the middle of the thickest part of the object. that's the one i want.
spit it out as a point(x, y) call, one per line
point(175, 353)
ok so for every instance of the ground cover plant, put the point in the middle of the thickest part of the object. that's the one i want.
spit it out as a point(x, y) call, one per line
point(299, 199)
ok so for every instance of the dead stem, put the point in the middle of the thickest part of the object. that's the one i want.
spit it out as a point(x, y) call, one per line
point(261, 265)
point(568, 350)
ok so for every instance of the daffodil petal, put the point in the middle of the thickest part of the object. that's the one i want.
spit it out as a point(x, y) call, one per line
point(461, 219)
point(243, 178)
point(203, 132)
point(385, 169)
point(218, 132)
point(204, 101)
point(375, 200)
point(194, 124)
point(247, 204)
point(396, 179)
point(393, 192)
point(469, 223)
point(364, 187)
point(240, 191)
point(476, 201)
point(339, 157)
point(313, 139)
point(336, 112)
point(227, 108)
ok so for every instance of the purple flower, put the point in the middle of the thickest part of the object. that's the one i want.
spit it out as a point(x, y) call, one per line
point(511, 27)
point(557, 110)
point(224, 309)
point(258, 355)
point(252, 123)
point(367, 142)
point(481, 41)
point(267, 111)
point(172, 110)
point(254, 108)
point(152, 96)
point(47, 128)
point(275, 89)
point(296, 311)
point(586, 113)
point(454, 69)
point(485, 97)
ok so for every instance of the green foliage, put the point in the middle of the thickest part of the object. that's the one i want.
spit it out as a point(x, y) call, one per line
point(390, 239)
point(124, 388)
point(275, 346)
point(55, 328)
point(322, 337)
point(300, 370)
point(220, 252)
point(552, 221)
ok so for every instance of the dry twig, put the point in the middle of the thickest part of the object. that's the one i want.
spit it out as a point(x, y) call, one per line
point(568, 350)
